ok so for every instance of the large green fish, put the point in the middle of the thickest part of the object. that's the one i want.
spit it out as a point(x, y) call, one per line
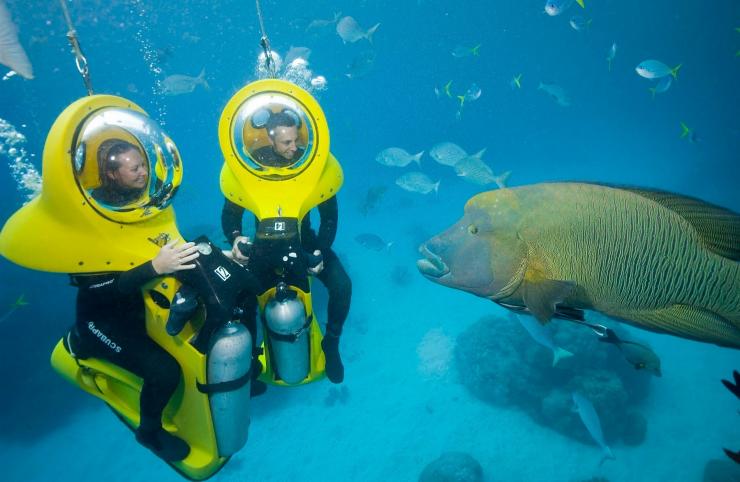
point(659, 261)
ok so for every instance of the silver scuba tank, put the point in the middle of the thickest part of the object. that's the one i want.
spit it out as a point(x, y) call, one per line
point(229, 360)
point(286, 323)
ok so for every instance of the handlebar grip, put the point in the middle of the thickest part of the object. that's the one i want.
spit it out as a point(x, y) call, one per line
point(245, 248)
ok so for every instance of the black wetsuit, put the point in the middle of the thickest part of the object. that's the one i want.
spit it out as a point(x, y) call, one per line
point(267, 156)
point(110, 325)
point(333, 276)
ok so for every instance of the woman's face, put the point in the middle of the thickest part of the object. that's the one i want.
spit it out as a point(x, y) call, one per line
point(133, 172)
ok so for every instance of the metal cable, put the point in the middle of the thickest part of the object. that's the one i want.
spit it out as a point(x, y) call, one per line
point(80, 60)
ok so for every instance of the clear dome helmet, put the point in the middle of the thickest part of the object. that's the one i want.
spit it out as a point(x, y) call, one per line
point(273, 136)
point(125, 165)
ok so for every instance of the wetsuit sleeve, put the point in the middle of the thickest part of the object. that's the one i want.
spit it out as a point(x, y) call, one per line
point(112, 285)
point(133, 279)
point(231, 220)
point(329, 215)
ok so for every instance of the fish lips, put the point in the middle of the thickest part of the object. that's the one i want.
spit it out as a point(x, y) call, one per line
point(432, 266)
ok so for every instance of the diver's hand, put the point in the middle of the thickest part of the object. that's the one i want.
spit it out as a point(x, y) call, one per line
point(173, 258)
point(236, 253)
point(318, 267)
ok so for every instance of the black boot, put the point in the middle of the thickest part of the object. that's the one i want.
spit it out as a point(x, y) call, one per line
point(166, 446)
point(334, 367)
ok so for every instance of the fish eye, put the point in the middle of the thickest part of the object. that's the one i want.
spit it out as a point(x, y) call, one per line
point(473, 229)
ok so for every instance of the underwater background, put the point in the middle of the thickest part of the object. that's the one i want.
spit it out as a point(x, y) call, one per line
point(410, 346)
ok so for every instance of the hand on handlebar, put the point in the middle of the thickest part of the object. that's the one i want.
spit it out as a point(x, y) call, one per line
point(240, 249)
point(315, 262)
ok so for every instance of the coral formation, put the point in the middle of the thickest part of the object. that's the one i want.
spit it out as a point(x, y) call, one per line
point(453, 467)
point(500, 363)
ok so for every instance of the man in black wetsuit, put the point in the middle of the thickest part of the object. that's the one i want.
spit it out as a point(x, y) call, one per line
point(110, 321)
point(283, 150)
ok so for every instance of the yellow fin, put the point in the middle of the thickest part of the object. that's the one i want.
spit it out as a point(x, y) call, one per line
point(540, 295)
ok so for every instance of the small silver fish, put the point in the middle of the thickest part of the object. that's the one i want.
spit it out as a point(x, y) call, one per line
point(319, 23)
point(579, 23)
point(461, 51)
point(397, 157)
point(361, 65)
point(449, 154)
point(612, 53)
point(663, 85)
point(372, 242)
point(541, 334)
point(183, 84)
point(655, 69)
point(417, 182)
point(556, 92)
point(590, 419)
point(474, 170)
point(350, 31)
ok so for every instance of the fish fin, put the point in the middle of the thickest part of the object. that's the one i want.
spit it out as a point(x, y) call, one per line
point(558, 354)
point(541, 295)
point(608, 455)
point(674, 71)
point(582, 3)
point(370, 32)
point(686, 321)
point(501, 179)
point(436, 187)
point(717, 227)
point(733, 387)
point(735, 456)
point(479, 154)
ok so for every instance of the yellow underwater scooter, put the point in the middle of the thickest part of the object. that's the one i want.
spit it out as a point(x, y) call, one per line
point(280, 197)
point(210, 409)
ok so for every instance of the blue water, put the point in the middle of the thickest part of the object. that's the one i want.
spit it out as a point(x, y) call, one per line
point(405, 406)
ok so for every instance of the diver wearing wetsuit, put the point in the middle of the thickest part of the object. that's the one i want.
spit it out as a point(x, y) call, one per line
point(283, 134)
point(110, 325)
point(110, 321)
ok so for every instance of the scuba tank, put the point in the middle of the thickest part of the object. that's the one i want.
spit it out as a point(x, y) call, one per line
point(229, 360)
point(287, 330)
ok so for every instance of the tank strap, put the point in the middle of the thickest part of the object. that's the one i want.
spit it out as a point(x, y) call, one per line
point(290, 337)
point(221, 387)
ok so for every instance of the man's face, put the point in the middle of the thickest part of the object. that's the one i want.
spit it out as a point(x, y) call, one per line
point(284, 141)
point(133, 172)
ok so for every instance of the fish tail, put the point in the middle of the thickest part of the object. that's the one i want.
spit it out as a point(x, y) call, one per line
point(461, 98)
point(685, 130)
point(674, 71)
point(448, 85)
point(388, 246)
point(370, 32)
point(558, 354)
point(609, 63)
point(417, 157)
point(652, 92)
point(475, 50)
point(608, 455)
point(336, 16)
point(500, 180)
point(436, 187)
point(582, 3)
